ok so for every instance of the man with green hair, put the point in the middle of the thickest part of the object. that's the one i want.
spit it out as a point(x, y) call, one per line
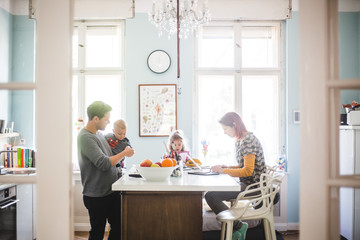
point(98, 173)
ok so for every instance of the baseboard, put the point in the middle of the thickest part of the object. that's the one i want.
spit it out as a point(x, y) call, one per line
point(281, 227)
point(286, 226)
point(293, 226)
point(82, 227)
point(85, 227)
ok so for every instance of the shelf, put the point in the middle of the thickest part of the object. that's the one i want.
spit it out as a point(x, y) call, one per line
point(20, 178)
point(7, 135)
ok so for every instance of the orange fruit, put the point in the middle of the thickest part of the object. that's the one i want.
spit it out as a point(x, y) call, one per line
point(174, 162)
point(190, 163)
point(167, 162)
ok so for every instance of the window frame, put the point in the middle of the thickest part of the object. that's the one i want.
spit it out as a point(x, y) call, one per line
point(238, 72)
point(81, 71)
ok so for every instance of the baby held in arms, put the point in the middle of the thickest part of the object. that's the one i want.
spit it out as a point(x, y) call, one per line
point(118, 140)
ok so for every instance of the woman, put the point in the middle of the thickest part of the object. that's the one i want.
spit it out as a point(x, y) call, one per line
point(251, 164)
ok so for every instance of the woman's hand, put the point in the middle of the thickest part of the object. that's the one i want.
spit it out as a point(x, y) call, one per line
point(217, 169)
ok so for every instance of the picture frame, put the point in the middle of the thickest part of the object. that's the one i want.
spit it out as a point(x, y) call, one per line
point(157, 110)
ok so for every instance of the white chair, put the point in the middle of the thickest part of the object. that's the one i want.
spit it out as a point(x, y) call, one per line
point(272, 171)
point(253, 203)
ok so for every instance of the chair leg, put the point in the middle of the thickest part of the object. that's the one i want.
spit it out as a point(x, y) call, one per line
point(229, 230)
point(269, 228)
point(223, 228)
point(272, 227)
point(266, 229)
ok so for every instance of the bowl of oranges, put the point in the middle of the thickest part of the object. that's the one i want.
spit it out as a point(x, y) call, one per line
point(157, 171)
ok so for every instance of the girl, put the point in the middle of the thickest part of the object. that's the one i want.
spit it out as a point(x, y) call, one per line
point(177, 146)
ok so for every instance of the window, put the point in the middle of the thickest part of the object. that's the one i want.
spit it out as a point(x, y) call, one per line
point(98, 72)
point(239, 68)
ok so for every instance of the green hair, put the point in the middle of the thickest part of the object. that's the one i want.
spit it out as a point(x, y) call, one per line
point(98, 109)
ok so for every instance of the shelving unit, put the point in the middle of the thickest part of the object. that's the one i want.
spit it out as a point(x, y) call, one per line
point(9, 135)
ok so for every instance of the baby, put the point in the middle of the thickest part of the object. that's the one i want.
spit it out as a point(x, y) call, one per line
point(118, 140)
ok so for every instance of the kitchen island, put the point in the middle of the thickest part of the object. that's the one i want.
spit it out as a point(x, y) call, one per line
point(170, 209)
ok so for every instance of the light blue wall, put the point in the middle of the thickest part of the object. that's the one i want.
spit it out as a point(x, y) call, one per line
point(292, 103)
point(349, 44)
point(349, 40)
point(17, 38)
point(5, 58)
point(23, 69)
point(23, 62)
point(141, 39)
point(349, 52)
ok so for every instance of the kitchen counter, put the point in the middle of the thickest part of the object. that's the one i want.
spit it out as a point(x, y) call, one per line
point(349, 127)
point(187, 182)
point(170, 209)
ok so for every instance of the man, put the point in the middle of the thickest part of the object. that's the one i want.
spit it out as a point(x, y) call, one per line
point(98, 173)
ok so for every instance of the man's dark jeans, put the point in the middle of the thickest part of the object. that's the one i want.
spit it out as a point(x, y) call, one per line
point(101, 209)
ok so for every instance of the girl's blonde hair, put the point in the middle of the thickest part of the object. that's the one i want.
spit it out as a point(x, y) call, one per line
point(177, 135)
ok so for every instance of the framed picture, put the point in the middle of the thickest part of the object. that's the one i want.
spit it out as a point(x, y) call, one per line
point(157, 110)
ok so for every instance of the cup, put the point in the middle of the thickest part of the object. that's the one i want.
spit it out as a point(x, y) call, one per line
point(2, 126)
point(10, 126)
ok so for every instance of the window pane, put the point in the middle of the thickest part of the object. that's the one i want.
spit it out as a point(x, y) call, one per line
point(259, 47)
point(76, 127)
point(216, 47)
point(216, 97)
point(75, 48)
point(106, 88)
point(260, 112)
point(103, 46)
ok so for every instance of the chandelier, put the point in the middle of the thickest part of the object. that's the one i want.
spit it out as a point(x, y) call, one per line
point(164, 16)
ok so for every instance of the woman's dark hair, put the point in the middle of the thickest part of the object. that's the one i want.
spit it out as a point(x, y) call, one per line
point(98, 109)
point(232, 119)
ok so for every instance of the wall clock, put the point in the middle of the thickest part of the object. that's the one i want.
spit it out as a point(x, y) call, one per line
point(159, 61)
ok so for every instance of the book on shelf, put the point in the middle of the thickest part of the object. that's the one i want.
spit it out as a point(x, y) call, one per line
point(22, 157)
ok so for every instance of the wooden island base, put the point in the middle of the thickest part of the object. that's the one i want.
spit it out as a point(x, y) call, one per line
point(161, 215)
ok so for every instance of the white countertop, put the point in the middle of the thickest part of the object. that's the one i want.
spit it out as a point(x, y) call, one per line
point(349, 127)
point(187, 182)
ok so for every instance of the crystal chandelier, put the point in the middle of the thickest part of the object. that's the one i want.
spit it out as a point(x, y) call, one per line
point(164, 15)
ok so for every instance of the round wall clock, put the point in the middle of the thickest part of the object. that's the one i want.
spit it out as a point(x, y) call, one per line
point(159, 61)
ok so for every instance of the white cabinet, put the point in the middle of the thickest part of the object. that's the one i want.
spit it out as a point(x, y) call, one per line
point(349, 197)
point(25, 222)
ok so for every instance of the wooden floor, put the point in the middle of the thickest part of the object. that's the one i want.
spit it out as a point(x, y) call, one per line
point(289, 235)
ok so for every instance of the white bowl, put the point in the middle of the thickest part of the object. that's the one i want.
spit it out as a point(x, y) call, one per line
point(155, 173)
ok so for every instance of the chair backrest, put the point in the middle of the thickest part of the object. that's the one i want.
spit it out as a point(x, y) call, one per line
point(261, 195)
point(271, 169)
